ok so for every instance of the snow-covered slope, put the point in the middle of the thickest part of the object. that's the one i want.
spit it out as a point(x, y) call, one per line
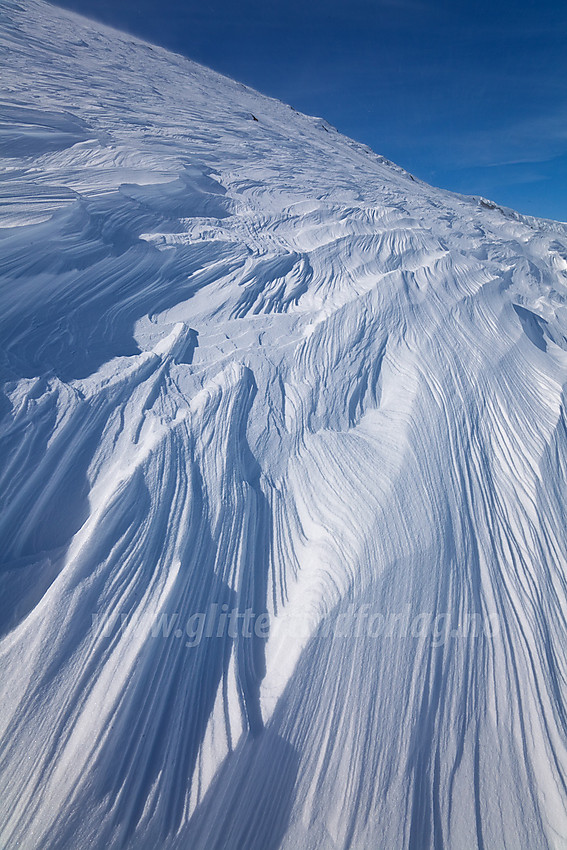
point(251, 366)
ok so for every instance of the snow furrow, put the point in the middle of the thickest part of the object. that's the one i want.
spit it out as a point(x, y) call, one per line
point(283, 448)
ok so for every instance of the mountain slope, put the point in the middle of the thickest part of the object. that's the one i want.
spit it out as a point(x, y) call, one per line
point(251, 366)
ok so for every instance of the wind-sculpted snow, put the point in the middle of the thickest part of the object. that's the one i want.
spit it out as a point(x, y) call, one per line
point(283, 458)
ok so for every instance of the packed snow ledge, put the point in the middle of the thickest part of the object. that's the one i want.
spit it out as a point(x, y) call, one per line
point(283, 460)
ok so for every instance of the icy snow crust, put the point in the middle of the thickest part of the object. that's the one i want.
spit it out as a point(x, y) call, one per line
point(251, 363)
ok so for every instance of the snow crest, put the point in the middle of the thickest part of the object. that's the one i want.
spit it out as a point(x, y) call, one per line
point(278, 423)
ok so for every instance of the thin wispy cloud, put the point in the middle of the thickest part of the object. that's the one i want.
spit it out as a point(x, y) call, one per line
point(443, 88)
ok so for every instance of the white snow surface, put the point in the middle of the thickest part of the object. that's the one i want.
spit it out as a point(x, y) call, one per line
point(251, 363)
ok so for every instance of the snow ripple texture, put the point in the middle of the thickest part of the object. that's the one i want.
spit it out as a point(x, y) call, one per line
point(248, 362)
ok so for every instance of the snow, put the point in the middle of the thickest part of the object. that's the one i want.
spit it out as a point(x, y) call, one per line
point(251, 366)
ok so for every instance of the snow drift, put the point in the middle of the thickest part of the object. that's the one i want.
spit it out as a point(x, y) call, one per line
point(283, 452)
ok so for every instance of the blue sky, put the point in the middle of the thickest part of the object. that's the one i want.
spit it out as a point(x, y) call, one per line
point(471, 96)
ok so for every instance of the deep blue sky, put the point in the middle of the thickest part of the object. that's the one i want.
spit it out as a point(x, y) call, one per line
point(471, 96)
